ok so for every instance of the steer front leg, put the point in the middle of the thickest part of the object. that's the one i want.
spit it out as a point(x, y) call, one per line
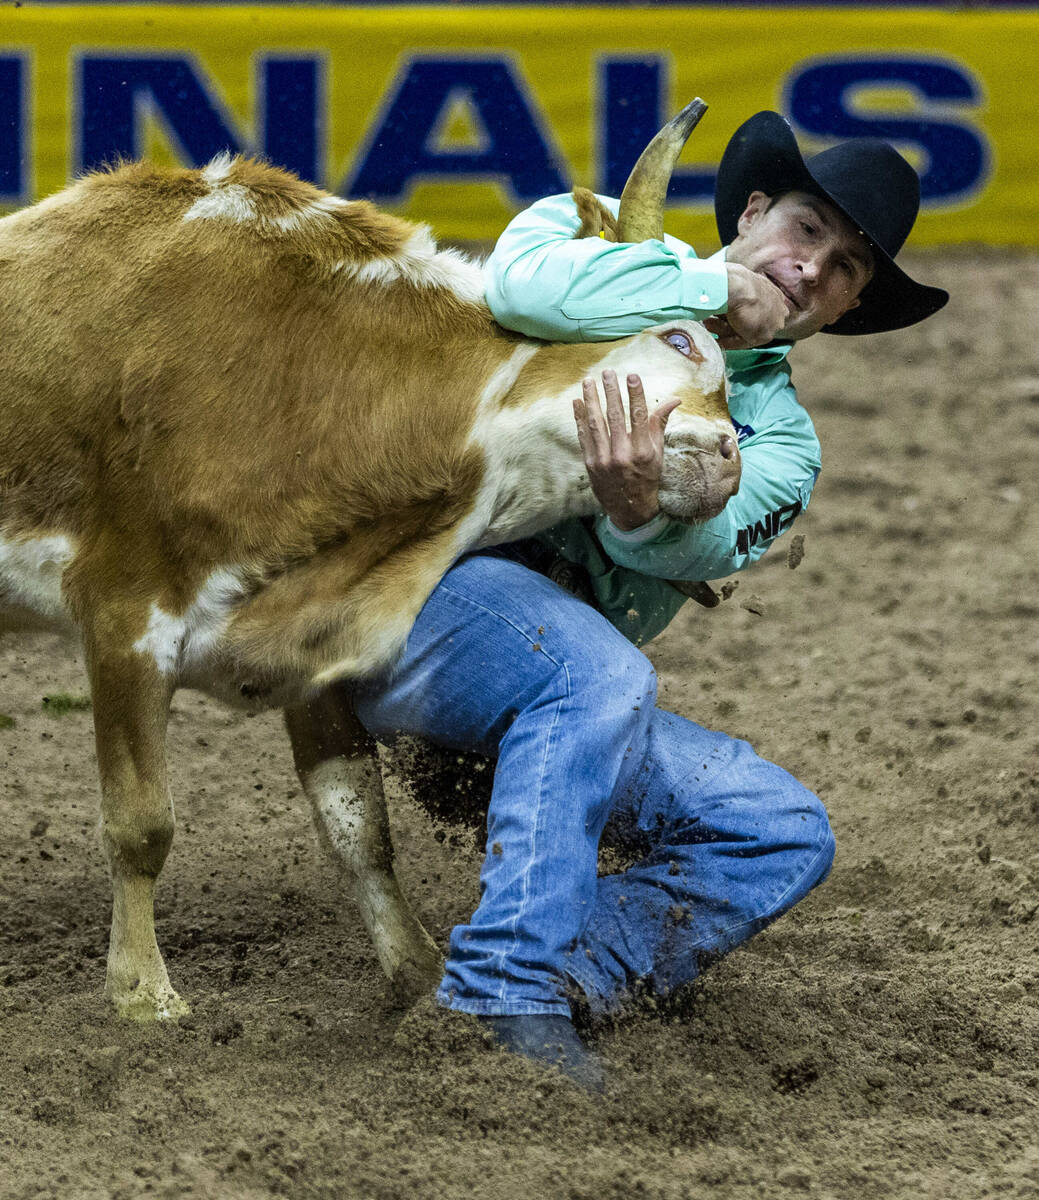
point(339, 768)
point(131, 708)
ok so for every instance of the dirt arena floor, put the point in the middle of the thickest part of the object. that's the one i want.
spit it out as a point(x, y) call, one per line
point(880, 1041)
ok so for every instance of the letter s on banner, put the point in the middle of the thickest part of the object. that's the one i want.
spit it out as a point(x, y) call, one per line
point(821, 100)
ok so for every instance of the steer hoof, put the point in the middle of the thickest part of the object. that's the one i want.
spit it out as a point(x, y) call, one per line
point(144, 1005)
point(413, 979)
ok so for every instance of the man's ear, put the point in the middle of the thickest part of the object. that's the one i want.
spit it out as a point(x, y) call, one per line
point(757, 203)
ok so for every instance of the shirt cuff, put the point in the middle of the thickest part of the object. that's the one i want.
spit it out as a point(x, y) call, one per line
point(705, 285)
point(642, 533)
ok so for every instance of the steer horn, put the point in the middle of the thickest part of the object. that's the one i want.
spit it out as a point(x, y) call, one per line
point(641, 214)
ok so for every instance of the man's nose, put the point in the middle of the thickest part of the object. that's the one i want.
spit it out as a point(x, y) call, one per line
point(810, 268)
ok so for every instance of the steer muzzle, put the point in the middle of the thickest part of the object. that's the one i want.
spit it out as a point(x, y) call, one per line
point(701, 473)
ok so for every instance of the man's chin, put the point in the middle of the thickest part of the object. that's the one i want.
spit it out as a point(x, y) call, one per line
point(798, 328)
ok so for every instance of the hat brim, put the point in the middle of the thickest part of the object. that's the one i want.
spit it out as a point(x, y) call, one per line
point(763, 155)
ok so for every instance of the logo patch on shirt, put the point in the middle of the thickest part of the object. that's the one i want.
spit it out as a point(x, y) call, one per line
point(770, 526)
point(742, 432)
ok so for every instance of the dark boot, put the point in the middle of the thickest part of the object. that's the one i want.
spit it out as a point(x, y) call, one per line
point(552, 1041)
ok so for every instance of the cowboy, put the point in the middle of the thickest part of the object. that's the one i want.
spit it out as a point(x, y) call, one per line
point(505, 661)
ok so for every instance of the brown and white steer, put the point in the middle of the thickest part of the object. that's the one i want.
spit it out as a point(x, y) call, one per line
point(245, 427)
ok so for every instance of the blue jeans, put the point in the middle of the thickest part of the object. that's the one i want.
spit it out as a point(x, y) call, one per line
point(503, 661)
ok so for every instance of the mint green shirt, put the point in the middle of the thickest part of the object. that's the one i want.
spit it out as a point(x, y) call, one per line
point(542, 281)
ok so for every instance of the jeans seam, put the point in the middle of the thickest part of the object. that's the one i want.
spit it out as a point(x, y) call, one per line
point(506, 953)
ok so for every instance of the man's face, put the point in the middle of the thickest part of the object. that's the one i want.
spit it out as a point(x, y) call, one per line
point(810, 251)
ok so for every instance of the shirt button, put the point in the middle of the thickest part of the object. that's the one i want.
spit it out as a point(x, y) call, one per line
point(704, 298)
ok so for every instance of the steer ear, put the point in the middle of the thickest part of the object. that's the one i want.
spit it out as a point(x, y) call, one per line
point(596, 219)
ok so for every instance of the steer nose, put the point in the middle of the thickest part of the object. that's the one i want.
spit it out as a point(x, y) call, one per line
point(729, 467)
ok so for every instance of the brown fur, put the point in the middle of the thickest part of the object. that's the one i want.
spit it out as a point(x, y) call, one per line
point(277, 435)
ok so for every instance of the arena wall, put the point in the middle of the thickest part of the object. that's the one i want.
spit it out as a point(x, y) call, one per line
point(460, 115)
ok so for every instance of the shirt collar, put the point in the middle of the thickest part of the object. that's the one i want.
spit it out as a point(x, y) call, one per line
point(760, 356)
point(737, 361)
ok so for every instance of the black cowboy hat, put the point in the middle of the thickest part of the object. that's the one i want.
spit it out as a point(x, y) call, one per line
point(871, 184)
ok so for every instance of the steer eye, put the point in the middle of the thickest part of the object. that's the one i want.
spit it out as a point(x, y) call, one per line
point(681, 342)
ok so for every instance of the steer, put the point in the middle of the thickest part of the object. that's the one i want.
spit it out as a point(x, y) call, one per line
point(245, 427)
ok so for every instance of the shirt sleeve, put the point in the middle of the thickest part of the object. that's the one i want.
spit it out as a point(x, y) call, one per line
point(542, 281)
point(781, 462)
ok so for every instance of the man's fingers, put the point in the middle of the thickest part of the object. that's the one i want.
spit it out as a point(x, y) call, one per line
point(645, 433)
point(623, 469)
point(757, 307)
point(618, 425)
point(659, 416)
point(727, 337)
point(581, 420)
point(591, 433)
point(605, 438)
point(637, 402)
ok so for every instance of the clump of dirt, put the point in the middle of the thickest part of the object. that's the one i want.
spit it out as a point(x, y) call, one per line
point(452, 787)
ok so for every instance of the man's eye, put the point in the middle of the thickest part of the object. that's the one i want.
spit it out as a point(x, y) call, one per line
point(681, 343)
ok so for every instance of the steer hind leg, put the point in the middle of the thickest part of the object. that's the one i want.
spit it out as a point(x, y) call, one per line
point(131, 708)
point(338, 765)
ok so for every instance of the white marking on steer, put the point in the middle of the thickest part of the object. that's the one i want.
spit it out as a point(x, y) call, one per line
point(421, 264)
point(218, 169)
point(230, 202)
point(504, 378)
point(31, 571)
point(316, 211)
point(334, 786)
point(499, 432)
point(179, 642)
point(337, 789)
point(533, 470)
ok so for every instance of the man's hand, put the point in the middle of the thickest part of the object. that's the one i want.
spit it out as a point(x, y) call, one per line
point(624, 467)
point(757, 311)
